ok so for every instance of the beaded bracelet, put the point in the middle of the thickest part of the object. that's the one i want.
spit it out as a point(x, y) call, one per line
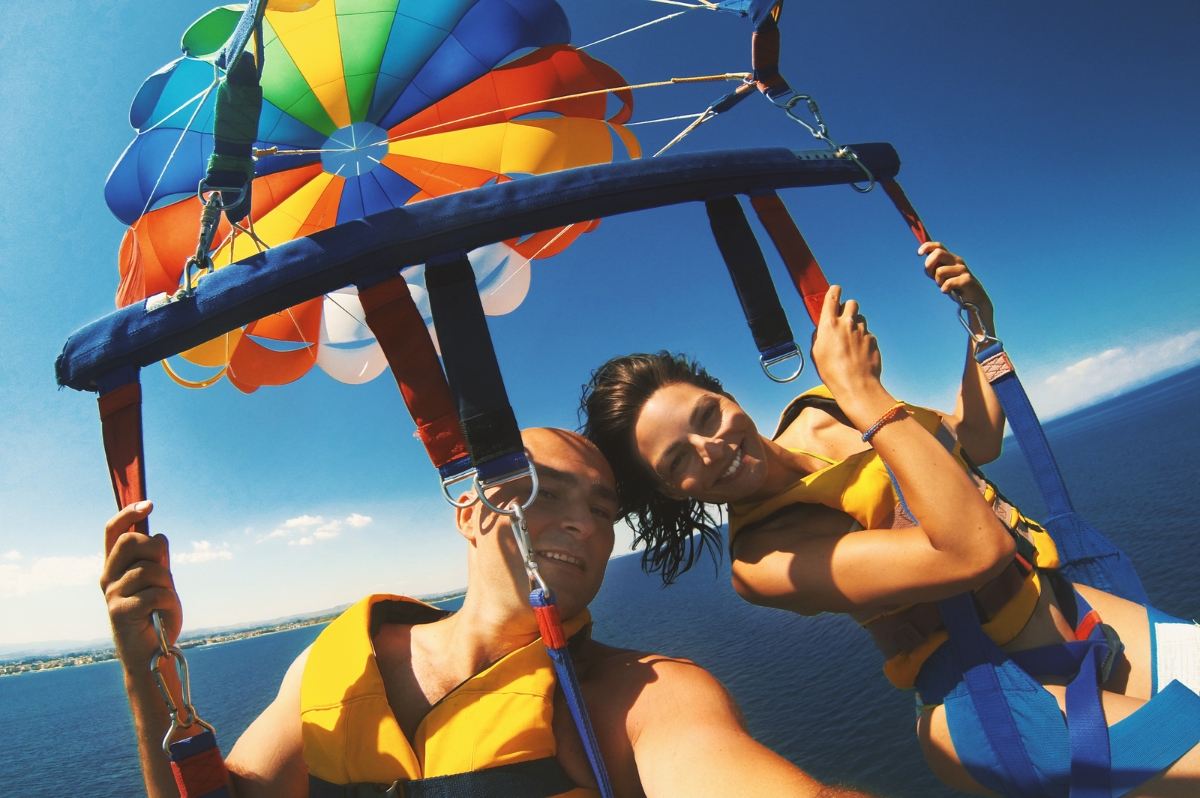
point(895, 412)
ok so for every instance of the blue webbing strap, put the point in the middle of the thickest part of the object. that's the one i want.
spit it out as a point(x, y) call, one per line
point(1091, 753)
point(978, 657)
point(293, 272)
point(488, 422)
point(751, 278)
point(1085, 555)
point(556, 646)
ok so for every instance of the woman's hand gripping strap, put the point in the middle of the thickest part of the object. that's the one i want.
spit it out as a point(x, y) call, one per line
point(1085, 555)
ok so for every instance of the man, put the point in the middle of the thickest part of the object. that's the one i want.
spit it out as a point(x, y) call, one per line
point(665, 726)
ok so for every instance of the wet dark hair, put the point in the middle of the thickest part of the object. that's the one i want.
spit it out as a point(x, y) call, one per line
point(675, 531)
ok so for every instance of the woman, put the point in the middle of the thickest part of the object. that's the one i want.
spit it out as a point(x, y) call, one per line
point(823, 517)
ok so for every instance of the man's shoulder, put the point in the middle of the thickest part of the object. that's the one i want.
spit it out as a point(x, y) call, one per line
point(643, 675)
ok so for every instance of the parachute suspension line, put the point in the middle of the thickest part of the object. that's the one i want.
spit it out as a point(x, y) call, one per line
point(719, 107)
point(150, 199)
point(635, 28)
point(343, 309)
point(535, 255)
point(201, 96)
point(727, 76)
point(663, 119)
point(742, 76)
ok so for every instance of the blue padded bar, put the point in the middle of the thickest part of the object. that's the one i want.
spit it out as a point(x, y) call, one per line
point(305, 268)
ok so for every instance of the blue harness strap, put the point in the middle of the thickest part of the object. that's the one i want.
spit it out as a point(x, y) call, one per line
point(1085, 555)
point(556, 645)
point(979, 656)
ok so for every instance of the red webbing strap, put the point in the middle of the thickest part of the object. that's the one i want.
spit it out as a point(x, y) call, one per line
point(893, 190)
point(198, 767)
point(397, 324)
point(806, 273)
point(121, 420)
point(764, 59)
point(550, 625)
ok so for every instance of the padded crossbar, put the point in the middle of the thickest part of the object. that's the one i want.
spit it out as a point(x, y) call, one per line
point(305, 268)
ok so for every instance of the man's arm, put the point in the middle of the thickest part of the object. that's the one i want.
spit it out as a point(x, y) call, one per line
point(137, 582)
point(268, 759)
point(689, 739)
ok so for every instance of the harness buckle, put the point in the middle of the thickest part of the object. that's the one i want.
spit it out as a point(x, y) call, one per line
point(1115, 649)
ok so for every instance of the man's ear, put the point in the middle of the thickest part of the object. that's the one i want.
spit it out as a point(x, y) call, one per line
point(465, 518)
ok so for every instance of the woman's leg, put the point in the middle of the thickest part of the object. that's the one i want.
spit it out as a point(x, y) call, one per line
point(1181, 779)
point(1129, 619)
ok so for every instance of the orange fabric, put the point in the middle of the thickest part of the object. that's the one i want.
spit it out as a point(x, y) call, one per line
point(397, 324)
point(157, 245)
point(900, 200)
point(554, 71)
point(806, 273)
point(121, 422)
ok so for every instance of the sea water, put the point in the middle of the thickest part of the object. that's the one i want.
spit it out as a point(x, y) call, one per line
point(810, 688)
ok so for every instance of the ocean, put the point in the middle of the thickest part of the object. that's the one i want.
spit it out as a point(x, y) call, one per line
point(810, 688)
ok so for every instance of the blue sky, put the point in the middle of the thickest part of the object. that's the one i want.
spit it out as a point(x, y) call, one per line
point(1053, 146)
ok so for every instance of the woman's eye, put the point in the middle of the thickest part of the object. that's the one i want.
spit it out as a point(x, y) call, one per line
point(676, 461)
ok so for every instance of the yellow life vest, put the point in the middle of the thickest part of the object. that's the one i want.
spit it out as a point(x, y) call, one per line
point(861, 487)
point(500, 716)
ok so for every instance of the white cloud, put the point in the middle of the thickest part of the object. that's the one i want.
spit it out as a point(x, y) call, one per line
point(203, 551)
point(16, 555)
point(358, 521)
point(303, 522)
point(48, 573)
point(1113, 371)
point(301, 542)
point(328, 531)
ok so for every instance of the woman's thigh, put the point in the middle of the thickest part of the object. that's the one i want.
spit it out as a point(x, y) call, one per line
point(1180, 779)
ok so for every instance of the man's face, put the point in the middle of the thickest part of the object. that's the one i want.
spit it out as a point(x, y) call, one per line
point(570, 523)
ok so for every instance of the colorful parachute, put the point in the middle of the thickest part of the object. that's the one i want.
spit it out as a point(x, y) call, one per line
point(368, 105)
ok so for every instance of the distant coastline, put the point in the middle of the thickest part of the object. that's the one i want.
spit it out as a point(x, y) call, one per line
point(36, 663)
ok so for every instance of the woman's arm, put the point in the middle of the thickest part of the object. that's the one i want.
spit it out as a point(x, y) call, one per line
point(978, 419)
point(960, 542)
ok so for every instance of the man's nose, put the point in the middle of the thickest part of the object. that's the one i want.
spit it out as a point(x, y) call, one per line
point(579, 521)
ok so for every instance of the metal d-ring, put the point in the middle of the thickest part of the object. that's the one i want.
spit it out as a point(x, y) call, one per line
point(454, 480)
point(767, 362)
point(480, 487)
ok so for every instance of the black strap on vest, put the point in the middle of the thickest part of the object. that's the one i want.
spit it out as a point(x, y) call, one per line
point(744, 259)
point(537, 778)
point(487, 419)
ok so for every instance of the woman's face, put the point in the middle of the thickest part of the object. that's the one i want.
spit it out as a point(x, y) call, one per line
point(701, 444)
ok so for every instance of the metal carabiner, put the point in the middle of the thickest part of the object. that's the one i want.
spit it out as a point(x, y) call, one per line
point(968, 312)
point(454, 480)
point(767, 362)
point(178, 721)
point(520, 530)
point(480, 487)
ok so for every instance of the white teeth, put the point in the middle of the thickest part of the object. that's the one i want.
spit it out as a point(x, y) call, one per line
point(737, 461)
point(554, 555)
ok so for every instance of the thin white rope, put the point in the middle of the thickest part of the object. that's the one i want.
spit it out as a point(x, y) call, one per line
point(664, 119)
point(175, 149)
point(700, 119)
point(350, 314)
point(199, 96)
point(636, 27)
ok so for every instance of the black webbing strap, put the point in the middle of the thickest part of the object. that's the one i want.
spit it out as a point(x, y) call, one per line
point(537, 778)
point(487, 419)
point(755, 289)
